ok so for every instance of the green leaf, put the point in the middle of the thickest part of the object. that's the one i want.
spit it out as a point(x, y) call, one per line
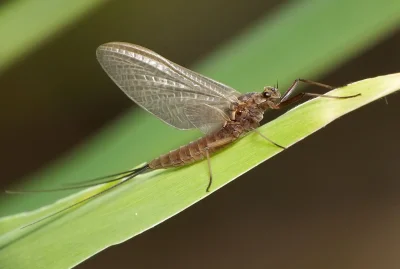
point(299, 39)
point(149, 199)
point(28, 23)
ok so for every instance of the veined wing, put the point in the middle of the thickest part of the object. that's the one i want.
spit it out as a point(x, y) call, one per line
point(164, 88)
point(206, 117)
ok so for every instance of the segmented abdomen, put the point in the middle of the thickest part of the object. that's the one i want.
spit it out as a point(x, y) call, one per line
point(194, 151)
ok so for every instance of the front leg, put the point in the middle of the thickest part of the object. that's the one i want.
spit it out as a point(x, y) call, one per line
point(272, 105)
point(287, 100)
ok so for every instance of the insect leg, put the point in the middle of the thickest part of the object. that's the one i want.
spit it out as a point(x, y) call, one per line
point(285, 100)
point(269, 140)
point(301, 95)
point(216, 144)
point(209, 170)
point(290, 90)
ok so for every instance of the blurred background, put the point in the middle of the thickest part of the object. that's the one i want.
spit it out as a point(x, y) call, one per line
point(331, 201)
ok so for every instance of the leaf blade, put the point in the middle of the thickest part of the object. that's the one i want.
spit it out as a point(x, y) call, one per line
point(152, 198)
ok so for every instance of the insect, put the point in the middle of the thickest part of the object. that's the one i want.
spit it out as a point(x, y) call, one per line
point(187, 100)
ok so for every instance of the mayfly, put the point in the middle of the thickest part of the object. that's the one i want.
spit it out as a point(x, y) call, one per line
point(187, 100)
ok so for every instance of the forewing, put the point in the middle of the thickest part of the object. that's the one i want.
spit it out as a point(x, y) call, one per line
point(161, 86)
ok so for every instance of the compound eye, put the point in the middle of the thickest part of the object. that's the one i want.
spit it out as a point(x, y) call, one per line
point(267, 94)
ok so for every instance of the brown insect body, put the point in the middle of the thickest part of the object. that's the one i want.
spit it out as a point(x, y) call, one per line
point(185, 100)
point(245, 117)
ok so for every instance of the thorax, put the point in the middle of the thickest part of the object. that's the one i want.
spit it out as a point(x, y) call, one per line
point(246, 115)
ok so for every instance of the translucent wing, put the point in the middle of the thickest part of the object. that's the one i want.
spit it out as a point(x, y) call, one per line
point(164, 88)
point(206, 117)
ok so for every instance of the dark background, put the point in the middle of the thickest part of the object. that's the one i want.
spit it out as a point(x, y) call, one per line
point(282, 214)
